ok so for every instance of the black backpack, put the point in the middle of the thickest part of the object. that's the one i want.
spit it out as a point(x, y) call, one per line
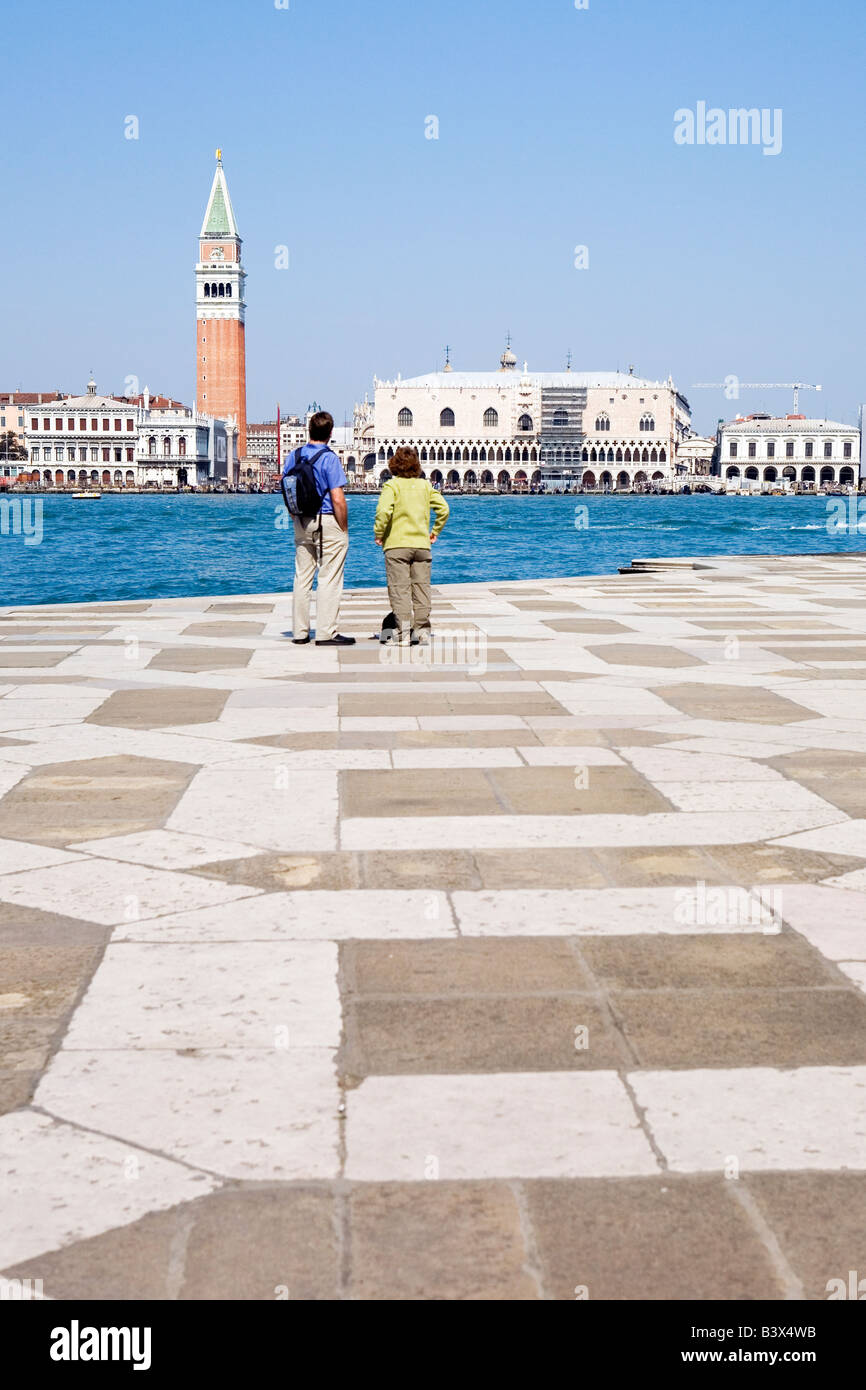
point(299, 487)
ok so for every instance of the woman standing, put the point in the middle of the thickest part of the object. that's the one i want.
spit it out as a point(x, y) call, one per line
point(402, 528)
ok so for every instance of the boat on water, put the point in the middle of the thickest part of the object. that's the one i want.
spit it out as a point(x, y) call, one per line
point(87, 496)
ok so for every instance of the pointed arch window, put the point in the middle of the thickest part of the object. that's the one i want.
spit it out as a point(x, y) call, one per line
point(525, 423)
point(647, 422)
point(405, 418)
point(446, 419)
point(491, 417)
point(603, 422)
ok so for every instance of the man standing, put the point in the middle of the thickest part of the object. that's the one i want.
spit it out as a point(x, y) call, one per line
point(321, 541)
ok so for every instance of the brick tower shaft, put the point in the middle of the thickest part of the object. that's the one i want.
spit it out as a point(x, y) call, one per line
point(221, 383)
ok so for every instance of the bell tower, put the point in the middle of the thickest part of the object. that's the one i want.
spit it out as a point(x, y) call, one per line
point(220, 310)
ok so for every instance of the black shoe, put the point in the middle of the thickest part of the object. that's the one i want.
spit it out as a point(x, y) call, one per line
point(338, 641)
point(299, 641)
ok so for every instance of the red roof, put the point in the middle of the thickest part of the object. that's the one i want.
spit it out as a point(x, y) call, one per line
point(156, 402)
point(31, 397)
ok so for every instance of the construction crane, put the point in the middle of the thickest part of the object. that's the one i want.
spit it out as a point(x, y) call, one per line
point(795, 386)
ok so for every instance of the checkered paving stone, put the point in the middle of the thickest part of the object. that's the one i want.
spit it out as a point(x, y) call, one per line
point(531, 963)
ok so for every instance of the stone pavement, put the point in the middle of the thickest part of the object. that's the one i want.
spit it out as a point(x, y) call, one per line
point(531, 967)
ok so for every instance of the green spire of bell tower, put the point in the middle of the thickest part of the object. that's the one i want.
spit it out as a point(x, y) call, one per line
point(219, 219)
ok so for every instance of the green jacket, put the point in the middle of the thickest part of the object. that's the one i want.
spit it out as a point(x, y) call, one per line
point(403, 515)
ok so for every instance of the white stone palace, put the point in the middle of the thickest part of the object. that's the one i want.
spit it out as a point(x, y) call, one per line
point(514, 430)
point(125, 442)
point(792, 450)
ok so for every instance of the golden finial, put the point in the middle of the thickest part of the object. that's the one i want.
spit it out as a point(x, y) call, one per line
point(219, 155)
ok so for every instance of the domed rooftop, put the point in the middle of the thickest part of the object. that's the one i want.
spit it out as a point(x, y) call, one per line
point(508, 360)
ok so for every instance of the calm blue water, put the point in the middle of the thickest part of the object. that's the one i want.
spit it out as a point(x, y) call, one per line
point(147, 547)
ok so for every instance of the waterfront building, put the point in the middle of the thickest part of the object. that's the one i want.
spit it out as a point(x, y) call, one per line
point(361, 463)
point(13, 424)
point(124, 441)
point(12, 407)
point(220, 307)
point(511, 429)
point(262, 442)
point(348, 441)
point(694, 457)
point(88, 439)
point(260, 465)
point(177, 447)
point(293, 432)
point(791, 451)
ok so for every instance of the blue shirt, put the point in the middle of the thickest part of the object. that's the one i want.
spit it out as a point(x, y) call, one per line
point(327, 471)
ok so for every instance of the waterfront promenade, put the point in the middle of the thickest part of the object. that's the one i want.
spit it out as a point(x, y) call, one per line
point(531, 970)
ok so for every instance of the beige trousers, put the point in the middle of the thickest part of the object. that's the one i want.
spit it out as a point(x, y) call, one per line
point(320, 544)
point(408, 574)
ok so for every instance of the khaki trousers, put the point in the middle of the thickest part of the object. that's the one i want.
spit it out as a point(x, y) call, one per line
point(320, 544)
point(408, 575)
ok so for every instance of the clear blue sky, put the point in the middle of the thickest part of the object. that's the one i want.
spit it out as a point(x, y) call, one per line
point(556, 129)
